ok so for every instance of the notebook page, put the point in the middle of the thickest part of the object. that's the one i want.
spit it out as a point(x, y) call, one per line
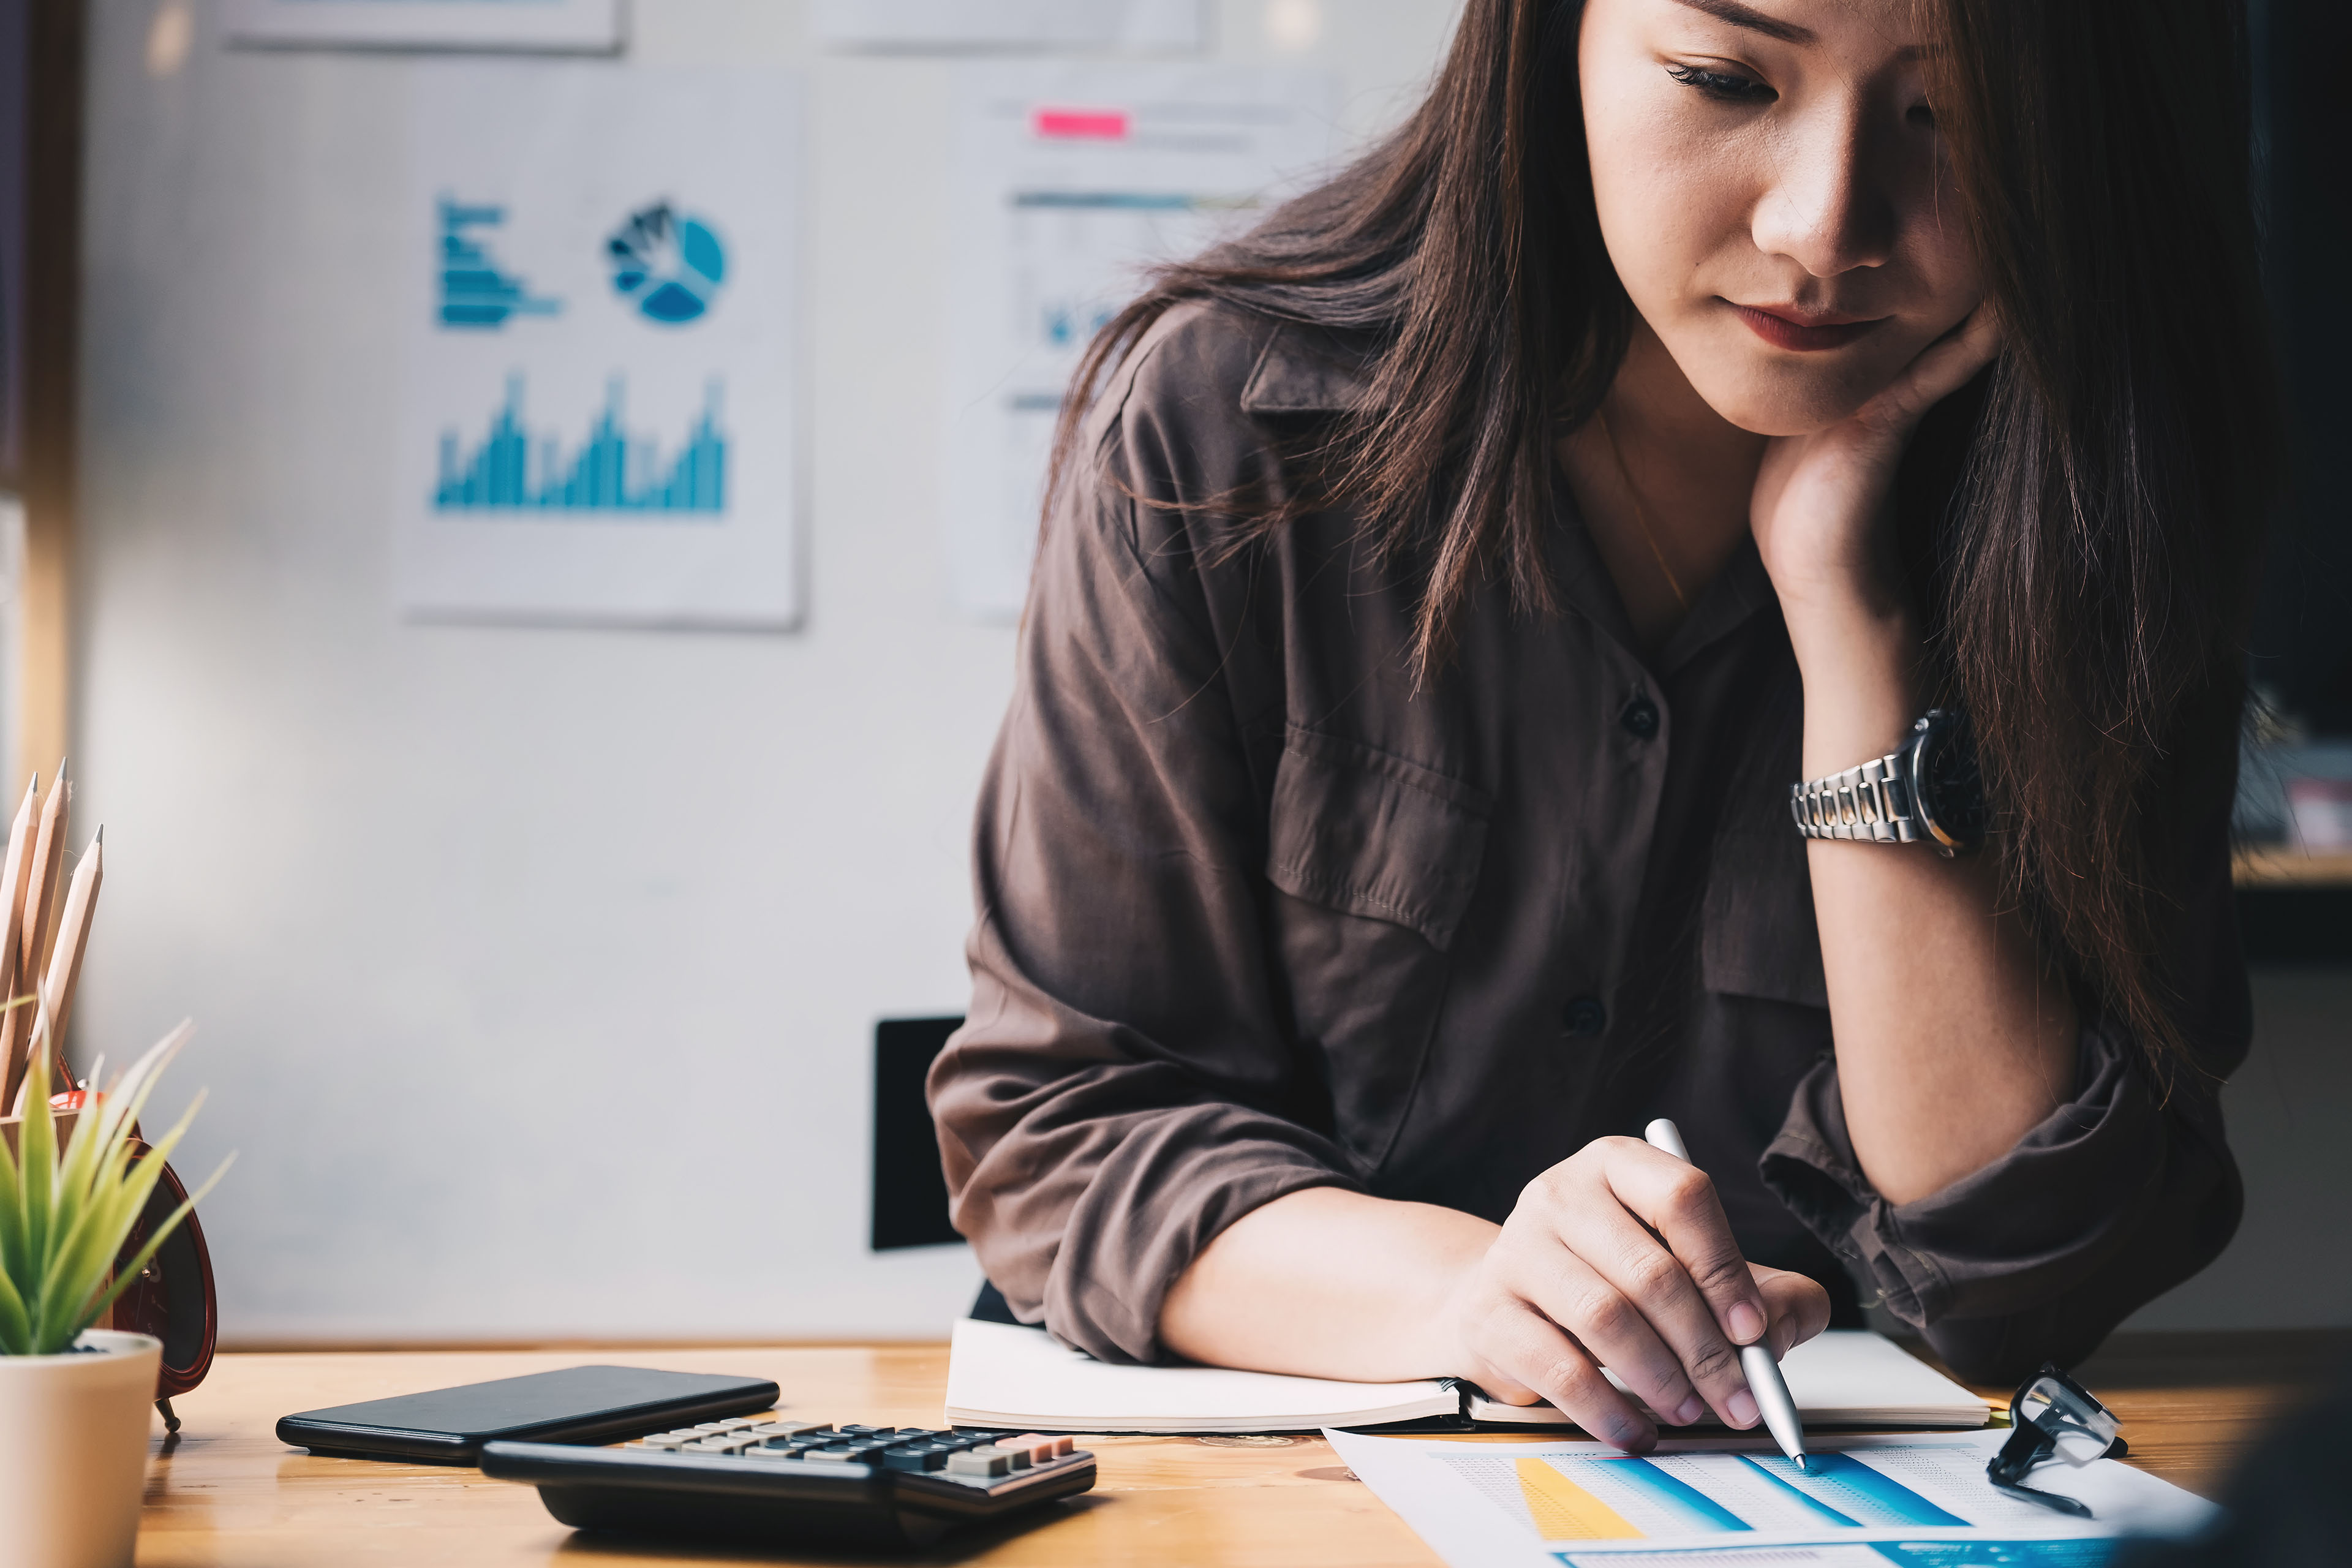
point(1002, 1376)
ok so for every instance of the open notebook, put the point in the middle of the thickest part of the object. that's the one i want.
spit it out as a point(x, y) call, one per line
point(1001, 1375)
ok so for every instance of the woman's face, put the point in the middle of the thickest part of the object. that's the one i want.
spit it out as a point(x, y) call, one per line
point(1773, 192)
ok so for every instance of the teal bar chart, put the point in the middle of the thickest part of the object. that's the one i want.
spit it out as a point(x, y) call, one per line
point(476, 290)
point(512, 470)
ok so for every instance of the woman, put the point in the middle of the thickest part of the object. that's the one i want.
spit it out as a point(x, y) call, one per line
point(1438, 601)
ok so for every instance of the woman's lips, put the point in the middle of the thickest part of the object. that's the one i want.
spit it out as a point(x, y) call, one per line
point(1805, 335)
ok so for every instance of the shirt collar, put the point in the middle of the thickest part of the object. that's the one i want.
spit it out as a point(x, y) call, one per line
point(1306, 370)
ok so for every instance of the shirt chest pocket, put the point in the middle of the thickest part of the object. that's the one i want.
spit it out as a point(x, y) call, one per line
point(1756, 933)
point(1373, 861)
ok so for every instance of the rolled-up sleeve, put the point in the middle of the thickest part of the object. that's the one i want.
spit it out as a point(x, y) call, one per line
point(1122, 1089)
point(2118, 1195)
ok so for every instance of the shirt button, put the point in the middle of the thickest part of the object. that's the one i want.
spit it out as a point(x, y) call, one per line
point(1583, 1016)
point(1639, 718)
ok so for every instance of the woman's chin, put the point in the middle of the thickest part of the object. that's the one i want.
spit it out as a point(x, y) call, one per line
point(1772, 406)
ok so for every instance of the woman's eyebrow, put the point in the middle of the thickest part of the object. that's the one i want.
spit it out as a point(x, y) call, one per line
point(1755, 21)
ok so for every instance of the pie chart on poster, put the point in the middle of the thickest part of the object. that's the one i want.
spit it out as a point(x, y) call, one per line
point(667, 264)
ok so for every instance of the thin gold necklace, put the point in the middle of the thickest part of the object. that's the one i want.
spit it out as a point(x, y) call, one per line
point(1640, 512)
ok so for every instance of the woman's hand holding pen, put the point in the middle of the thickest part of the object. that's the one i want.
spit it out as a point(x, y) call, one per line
point(1620, 1256)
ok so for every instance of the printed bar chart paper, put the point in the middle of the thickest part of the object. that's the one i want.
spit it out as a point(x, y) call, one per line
point(584, 26)
point(1070, 181)
point(1010, 23)
point(599, 405)
point(1863, 1501)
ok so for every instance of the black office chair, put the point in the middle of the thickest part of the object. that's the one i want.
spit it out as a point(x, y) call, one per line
point(910, 1196)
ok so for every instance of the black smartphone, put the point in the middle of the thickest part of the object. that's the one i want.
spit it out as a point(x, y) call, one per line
point(578, 1404)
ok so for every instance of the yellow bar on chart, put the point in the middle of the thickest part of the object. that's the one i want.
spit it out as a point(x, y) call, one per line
point(1566, 1512)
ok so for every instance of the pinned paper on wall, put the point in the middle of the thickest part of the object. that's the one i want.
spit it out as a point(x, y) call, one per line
point(1152, 25)
point(599, 386)
point(1070, 181)
point(584, 26)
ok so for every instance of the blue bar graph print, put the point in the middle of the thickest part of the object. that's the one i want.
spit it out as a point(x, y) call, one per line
point(512, 470)
point(1844, 1485)
point(1657, 1503)
point(475, 292)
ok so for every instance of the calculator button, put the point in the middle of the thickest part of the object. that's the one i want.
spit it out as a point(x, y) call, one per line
point(979, 1463)
point(790, 1428)
point(1040, 1448)
point(919, 1459)
point(1012, 1456)
point(848, 1454)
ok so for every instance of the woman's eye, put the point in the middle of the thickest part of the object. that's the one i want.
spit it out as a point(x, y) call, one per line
point(1729, 86)
point(1920, 115)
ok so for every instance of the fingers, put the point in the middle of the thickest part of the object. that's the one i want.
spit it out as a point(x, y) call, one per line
point(1651, 1307)
point(1676, 1199)
point(1944, 365)
point(1618, 1322)
point(1798, 1308)
point(1522, 1346)
point(1621, 1256)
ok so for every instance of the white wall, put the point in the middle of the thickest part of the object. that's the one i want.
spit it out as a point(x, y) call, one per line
point(536, 970)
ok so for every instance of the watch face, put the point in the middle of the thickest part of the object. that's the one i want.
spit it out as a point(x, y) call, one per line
point(1946, 785)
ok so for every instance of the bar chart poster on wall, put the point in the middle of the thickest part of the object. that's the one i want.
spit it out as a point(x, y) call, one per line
point(585, 26)
point(600, 422)
point(1071, 180)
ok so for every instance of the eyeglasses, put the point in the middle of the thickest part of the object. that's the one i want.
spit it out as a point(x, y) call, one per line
point(2052, 1416)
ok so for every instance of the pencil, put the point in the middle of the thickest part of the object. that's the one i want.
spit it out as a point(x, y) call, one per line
point(41, 891)
point(40, 912)
point(73, 936)
point(12, 921)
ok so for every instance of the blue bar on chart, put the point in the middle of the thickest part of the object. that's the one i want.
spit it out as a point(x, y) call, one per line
point(611, 471)
point(1620, 1497)
point(475, 292)
point(1839, 1481)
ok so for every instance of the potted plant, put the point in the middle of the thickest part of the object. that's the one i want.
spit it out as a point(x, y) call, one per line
point(74, 1399)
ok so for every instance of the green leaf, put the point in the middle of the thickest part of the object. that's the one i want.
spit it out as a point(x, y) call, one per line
point(38, 1170)
point(79, 1266)
point(128, 1271)
point(12, 1260)
point(15, 1329)
point(129, 1094)
point(65, 1215)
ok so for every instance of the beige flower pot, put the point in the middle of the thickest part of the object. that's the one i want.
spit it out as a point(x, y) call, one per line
point(73, 1452)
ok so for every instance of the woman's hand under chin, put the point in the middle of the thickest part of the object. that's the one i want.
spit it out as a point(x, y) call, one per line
point(1819, 497)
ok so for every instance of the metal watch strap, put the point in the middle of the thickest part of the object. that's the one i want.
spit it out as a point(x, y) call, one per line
point(1871, 803)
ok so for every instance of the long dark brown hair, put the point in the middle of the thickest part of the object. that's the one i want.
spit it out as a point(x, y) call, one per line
point(2082, 520)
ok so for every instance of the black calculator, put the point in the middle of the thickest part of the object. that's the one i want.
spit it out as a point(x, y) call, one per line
point(779, 1483)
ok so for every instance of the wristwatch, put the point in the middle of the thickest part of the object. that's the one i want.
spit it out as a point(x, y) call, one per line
point(1928, 787)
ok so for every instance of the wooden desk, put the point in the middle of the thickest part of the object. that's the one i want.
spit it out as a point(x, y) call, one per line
point(227, 1492)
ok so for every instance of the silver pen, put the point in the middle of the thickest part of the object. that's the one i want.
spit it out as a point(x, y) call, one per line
point(1769, 1389)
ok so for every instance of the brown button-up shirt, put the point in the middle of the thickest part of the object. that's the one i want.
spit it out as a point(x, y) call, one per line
point(1255, 916)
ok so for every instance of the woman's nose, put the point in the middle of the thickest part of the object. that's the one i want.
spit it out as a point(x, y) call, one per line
point(1830, 207)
